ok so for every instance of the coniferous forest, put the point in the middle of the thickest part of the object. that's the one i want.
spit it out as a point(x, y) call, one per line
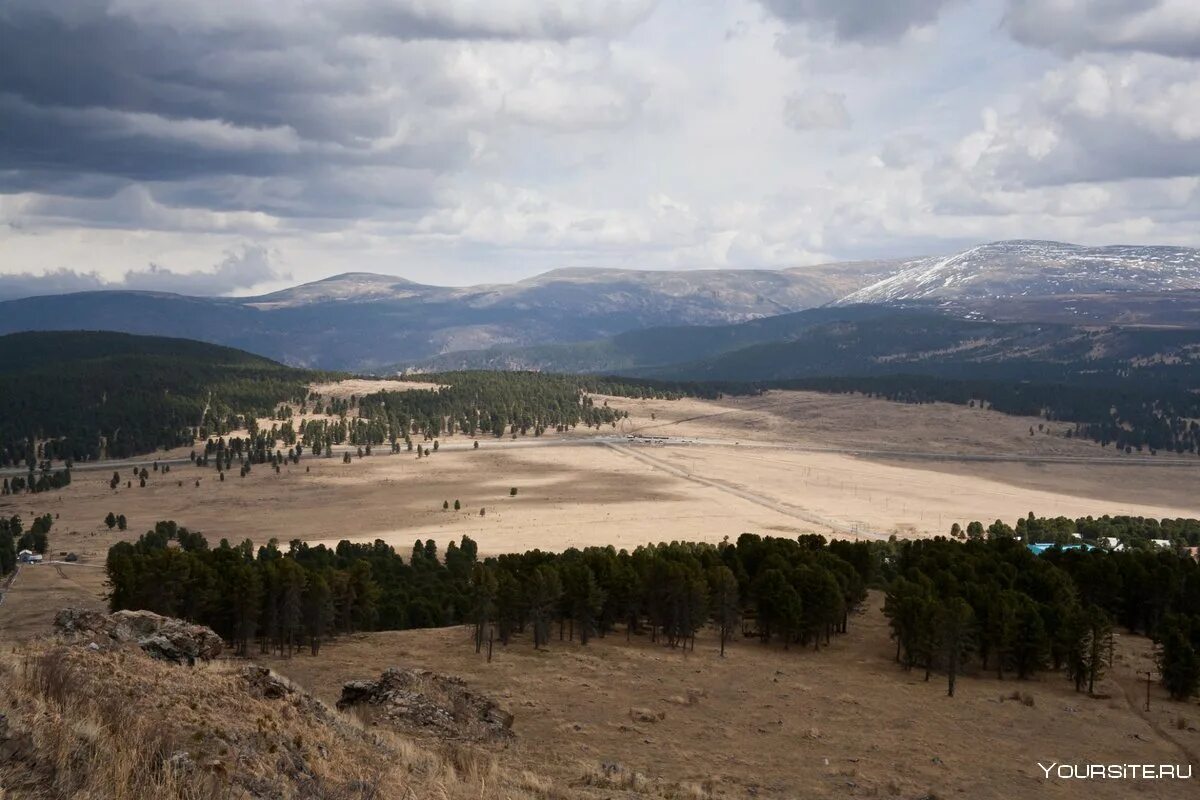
point(74, 396)
point(985, 603)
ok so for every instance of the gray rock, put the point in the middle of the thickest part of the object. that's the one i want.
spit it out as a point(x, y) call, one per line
point(164, 638)
point(423, 701)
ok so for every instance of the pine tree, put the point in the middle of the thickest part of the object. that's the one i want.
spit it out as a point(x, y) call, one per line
point(544, 592)
point(726, 606)
point(484, 589)
point(955, 624)
point(1178, 658)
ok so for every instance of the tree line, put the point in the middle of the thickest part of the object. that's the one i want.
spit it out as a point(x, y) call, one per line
point(984, 603)
point(44, 479)
point(991, 604)
point(793, 592)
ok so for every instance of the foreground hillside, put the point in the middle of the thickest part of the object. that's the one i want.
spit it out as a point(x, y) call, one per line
point(77, 722)
point(614, 719)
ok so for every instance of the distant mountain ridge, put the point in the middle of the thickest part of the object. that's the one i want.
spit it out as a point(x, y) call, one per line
point(375, 323)
point(362, 321)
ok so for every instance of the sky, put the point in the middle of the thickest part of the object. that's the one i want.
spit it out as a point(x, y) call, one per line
point(237, 146)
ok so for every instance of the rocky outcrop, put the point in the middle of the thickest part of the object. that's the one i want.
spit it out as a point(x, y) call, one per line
point(164, 638)
point(418, 700)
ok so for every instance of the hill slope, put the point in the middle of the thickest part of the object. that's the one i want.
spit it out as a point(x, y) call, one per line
point(916, 341)
point(79, 394)
point(660, 347)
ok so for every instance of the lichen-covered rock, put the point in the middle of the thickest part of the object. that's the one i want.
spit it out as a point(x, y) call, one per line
point(423, 701)
point(164, 638)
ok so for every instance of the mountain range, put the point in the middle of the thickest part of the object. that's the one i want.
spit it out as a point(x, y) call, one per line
point(367, 322)
point(649, 321)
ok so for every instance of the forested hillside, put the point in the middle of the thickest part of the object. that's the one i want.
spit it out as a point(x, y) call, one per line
point(78, 395)
point(1127, 386)
point(1144, 416)
point(662, 347)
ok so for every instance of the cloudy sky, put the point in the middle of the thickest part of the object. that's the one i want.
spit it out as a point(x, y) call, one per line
point(236, 145)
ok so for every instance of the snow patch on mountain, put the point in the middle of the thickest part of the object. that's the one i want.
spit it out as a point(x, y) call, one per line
point(1025, 268)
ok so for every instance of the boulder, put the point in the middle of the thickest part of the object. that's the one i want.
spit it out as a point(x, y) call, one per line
point(164, 638)
point(418, 700)
point(262, 682)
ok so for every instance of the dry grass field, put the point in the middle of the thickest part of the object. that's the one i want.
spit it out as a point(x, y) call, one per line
point(767, 722)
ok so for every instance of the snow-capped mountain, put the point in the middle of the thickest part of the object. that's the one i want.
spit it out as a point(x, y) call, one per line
point(1023, 268)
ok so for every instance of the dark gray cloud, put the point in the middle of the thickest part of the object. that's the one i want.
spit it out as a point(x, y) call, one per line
point(243, 268)
point(1165, 27)
point(860, 20)
point(284, 107)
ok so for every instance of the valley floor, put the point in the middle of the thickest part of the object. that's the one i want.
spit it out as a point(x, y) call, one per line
point(785, 463)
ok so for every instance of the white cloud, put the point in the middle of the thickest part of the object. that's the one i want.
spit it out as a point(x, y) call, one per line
point(816, 109)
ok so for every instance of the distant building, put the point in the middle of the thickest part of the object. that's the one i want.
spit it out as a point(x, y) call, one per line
point(1161, 544)
point(1194, 552)
point(1041, 547)
point(1112, 543)
point(25, 556)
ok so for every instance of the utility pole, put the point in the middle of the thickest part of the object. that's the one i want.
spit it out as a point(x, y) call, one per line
point(1148, 676)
